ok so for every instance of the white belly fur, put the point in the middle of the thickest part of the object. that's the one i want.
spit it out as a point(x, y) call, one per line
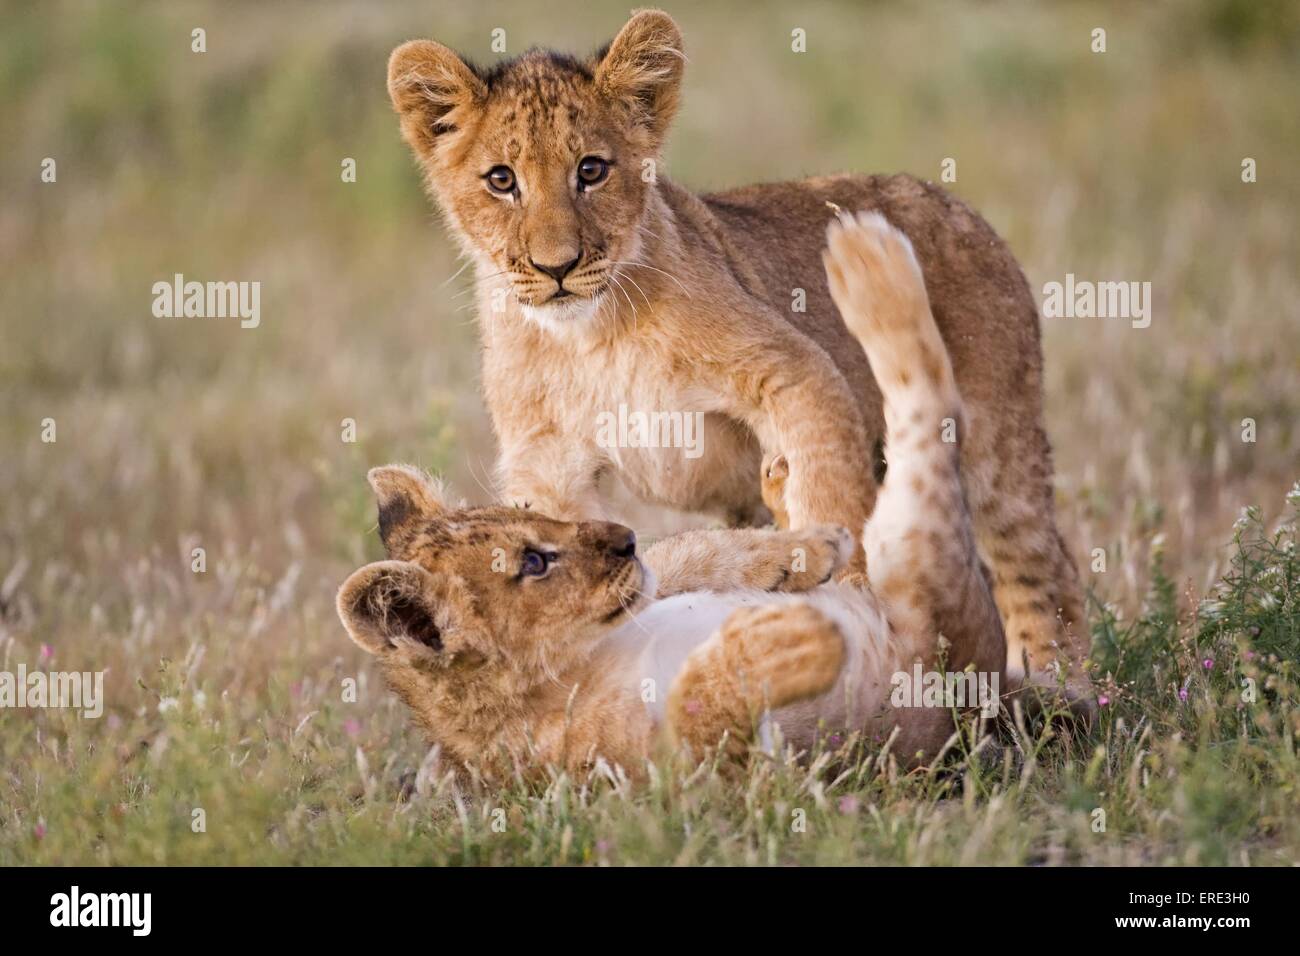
point(658, 640)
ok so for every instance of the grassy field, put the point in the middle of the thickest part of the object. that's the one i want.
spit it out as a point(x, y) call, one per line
point(224, 689)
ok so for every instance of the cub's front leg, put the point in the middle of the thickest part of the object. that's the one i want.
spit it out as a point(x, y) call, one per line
point(796, 400)
point(761, 658)
point(728, 560)
point(550, 474)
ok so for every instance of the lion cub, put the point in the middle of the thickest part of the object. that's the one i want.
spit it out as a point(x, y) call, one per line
point(518, 639)
point(512, 635)
point(604, 286)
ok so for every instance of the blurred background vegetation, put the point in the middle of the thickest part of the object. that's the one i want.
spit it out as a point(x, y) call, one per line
point(225, 165)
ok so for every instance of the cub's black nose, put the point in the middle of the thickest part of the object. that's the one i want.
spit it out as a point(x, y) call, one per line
point(626, 548)
point(557, 272)
point(608, 538)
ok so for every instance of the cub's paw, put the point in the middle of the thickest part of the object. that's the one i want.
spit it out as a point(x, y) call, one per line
point(810, 557)
point(781, 653)
point(776, 469)
point(873, 274)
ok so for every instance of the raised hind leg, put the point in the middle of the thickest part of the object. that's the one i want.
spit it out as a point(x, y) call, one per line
point(922, 561)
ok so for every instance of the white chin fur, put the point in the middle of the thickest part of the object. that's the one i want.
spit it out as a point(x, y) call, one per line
point(649, 585)
point(566, 317)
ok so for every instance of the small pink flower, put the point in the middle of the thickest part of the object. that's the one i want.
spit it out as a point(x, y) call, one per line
point(352, 727)
point(602, 847)
point(1103, 700)
point(39, 831)
point(47, 653)
point(1182, 693)
point(114, 721)
point(1208, 663)
point(848, 805)
point(295, 689)
point(1250, 655)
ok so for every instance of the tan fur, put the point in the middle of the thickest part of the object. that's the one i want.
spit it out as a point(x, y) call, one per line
point(683, 302)
point(762, 657)
point(775, 472)
point(502, 669)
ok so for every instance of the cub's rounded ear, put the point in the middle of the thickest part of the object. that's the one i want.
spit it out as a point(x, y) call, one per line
point(407, 498)
point(389, 603)
point(643, 66)
point(433, 91)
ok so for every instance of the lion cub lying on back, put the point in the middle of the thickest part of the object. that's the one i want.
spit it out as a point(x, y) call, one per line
point(513, 635)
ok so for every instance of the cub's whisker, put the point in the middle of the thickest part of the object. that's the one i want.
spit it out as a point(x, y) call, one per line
point(642, 265)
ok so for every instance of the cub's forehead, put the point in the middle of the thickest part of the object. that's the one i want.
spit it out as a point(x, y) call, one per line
point(492, 526)
point(539, 73)
point(541, 104)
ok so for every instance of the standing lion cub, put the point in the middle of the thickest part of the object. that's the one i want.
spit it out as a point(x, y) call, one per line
point(602, 286)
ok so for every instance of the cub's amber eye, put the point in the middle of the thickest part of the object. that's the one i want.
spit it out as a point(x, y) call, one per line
point(501, 179)
point(592, 170)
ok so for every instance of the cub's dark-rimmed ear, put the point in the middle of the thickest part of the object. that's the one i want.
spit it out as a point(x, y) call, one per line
point(407, 499)
point(390, 604)
point(643, 66)
point(433, 91)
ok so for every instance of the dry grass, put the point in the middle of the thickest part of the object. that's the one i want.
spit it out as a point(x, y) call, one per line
point(224, 687)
